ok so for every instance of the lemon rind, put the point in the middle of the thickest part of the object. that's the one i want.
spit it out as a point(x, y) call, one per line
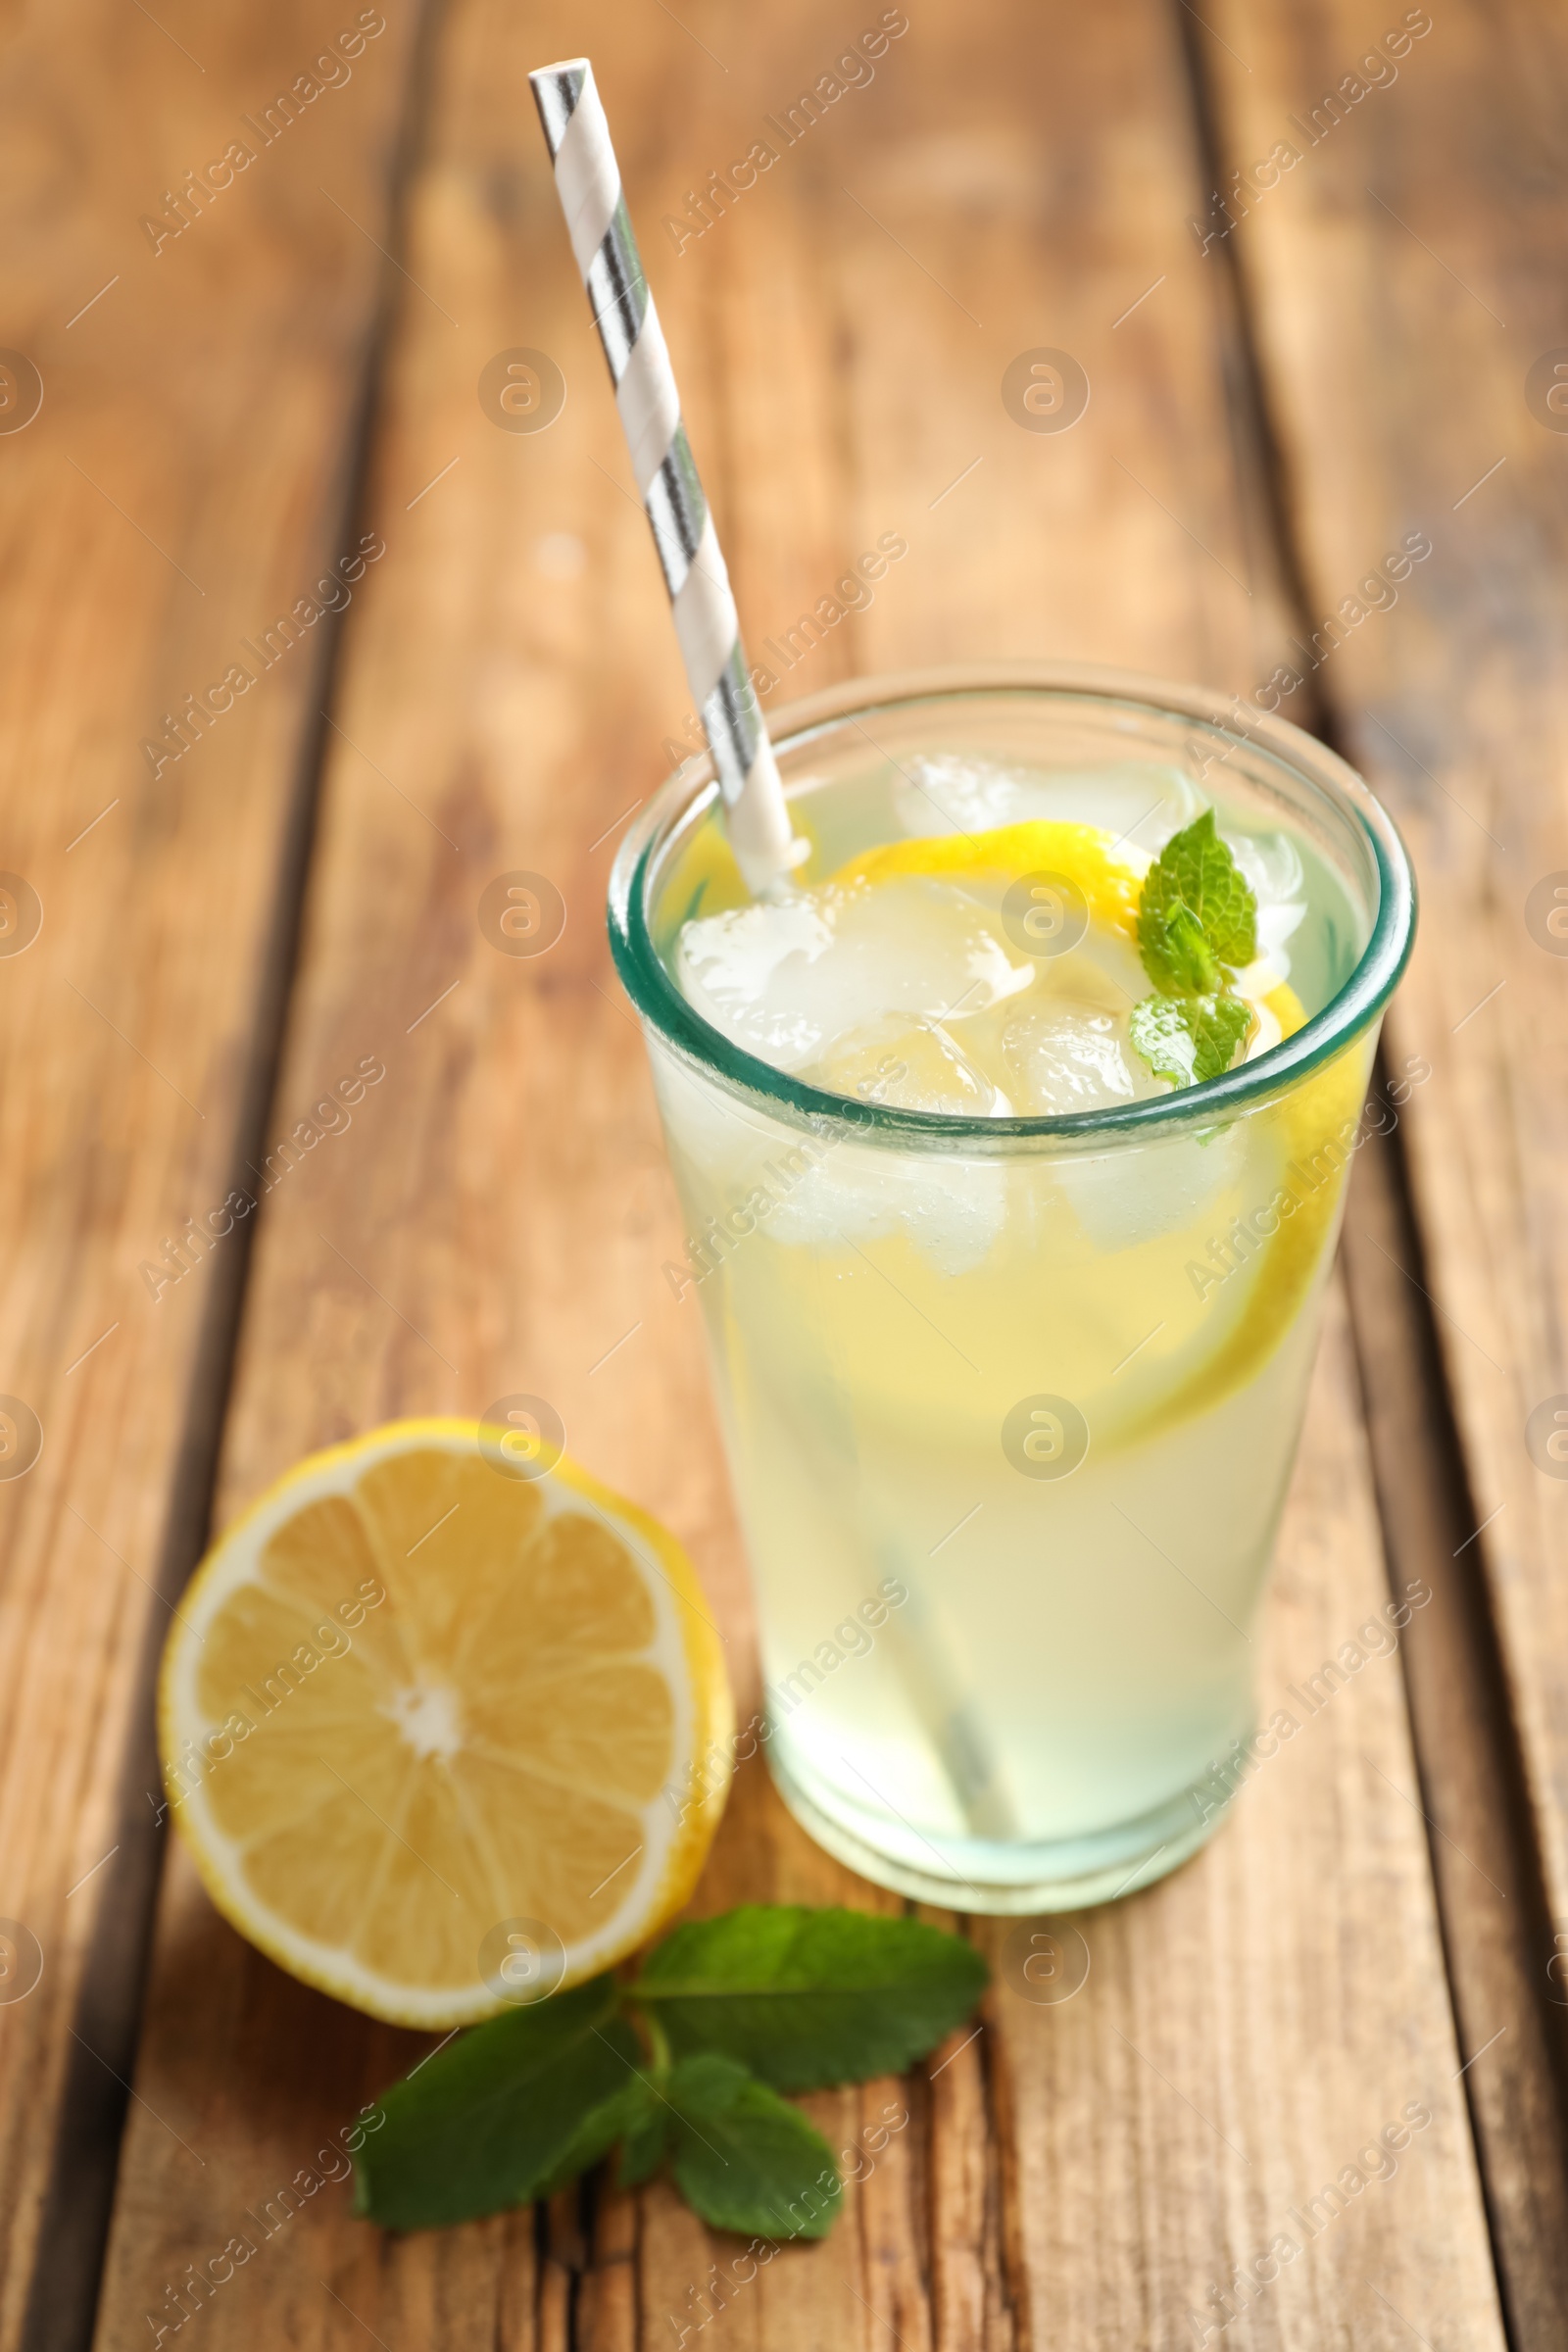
point(674, 1849)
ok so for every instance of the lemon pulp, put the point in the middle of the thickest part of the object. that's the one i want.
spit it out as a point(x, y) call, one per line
point(429, 1725)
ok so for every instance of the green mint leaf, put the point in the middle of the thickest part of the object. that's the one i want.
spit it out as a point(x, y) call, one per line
point(600, 2126)
point(1189, 1039)
point(806, 1997)
point(647, 2134)
point(1175, 950)
point(493, 2119)
point(1197, 872)
point(744, 2158)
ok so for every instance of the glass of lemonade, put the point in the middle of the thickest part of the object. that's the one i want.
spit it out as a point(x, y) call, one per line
point(1012, 1332)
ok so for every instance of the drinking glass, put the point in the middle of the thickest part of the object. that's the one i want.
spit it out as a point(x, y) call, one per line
point(1010, 1405)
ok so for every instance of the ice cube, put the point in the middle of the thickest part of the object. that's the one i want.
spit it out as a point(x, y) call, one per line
point(1143, 803)
point(951, 1210)
point(786, 980)
point(920, 945)
point(1272, 865)
point(749, 972)
point(1138, 1190)
point(917, 1068)
point(1062, 1057)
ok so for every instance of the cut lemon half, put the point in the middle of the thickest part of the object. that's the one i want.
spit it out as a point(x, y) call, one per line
point(442, 1733)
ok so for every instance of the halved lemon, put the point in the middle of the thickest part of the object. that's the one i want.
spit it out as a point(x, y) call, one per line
point(440, 1733)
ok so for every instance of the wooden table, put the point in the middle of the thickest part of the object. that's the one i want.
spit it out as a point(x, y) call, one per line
point(242, 390)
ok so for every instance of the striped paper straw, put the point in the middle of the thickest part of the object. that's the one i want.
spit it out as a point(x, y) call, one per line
point(588, 184)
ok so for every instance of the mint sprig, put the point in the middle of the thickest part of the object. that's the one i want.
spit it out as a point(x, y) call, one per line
point(501, 2112)
point(1187, 1038)
point(808, 1998)
point(1195, 872)
point(681, 2067)
point(1197, 928)
point(744, 2158)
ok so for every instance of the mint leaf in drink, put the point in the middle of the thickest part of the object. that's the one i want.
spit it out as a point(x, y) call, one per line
point(1175, 950)
point(1195, 872)
point(744, 2158)
point(1187, 1038)
point(1196, 925)
point(493, 2119)
point(807, 1998)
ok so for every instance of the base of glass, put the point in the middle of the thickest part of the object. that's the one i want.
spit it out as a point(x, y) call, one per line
point(1054, 1876)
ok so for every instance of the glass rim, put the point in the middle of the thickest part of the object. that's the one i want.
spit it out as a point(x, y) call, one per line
point(692, 789)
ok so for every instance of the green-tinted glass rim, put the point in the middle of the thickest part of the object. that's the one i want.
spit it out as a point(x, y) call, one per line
point(1347, 1015)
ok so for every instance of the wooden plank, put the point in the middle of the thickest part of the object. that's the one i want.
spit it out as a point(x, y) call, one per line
point(1402, 294)
point(1472, 1781)
point(1088, 2174)
point(182, 484)
point(1244, 2032)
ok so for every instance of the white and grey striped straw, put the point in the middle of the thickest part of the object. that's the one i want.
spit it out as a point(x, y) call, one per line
point(588, 184)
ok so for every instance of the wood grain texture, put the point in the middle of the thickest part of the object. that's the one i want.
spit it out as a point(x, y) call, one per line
point(1404, 282)
point(1399, 386)
point(181, 485)
point(1089, 2174)
point(1472, 1781)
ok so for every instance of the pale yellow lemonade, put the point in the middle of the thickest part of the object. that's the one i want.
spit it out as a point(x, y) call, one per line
point(1010, 1425)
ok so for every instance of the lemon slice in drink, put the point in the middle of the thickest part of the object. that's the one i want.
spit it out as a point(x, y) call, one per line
point(1298, 1147)
point(1311, 1129)
point(440, 1733)
point(1082, 854)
